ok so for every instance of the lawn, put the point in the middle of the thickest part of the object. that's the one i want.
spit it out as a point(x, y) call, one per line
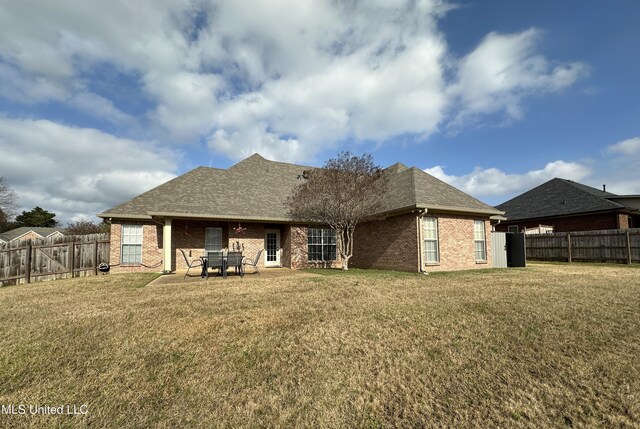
point(552, 345)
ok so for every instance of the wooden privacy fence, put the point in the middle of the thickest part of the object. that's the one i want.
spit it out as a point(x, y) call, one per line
point(53, 258)
point(612, 245)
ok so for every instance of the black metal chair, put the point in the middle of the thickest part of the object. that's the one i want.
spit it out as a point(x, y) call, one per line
point(215, 260)
point(253, 263)
point(234, 259)
point(191, 264)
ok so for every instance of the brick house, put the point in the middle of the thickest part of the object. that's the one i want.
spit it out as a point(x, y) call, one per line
point(428, 224)
point(24, 233)
point(568, 206)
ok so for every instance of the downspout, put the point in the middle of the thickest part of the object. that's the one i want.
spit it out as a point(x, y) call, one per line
point(421, 213)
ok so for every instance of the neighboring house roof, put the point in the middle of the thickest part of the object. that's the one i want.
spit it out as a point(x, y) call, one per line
point(16, 234)
point(256, 189)
point(559, 197)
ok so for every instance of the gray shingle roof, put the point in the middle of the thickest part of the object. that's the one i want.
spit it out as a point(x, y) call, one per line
point(413, 187)
point(558, 197)
point(256, 189)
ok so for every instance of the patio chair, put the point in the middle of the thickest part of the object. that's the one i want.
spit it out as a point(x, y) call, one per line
point(191, 264)
point(215, 260)
point(253, 263)
point(234, 259)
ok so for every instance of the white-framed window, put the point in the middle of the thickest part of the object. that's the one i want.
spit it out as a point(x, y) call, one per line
point(212, 239)
point(131, 245)
point(430, 237)
point(321, 244)
point(512, 228)
point(479, 238)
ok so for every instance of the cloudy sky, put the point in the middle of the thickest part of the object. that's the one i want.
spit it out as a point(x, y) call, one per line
point(100, 101)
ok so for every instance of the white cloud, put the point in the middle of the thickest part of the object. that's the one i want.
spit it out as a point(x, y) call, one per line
point(294, 74)
point(625, 147)
point(77, 171)
point(288, 79)
point(501, 71)
point(242, 143)
point(492, 182)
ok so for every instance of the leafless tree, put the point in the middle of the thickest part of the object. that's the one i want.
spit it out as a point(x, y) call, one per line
point(8, 201)
point(84, 227)
point(343, 193)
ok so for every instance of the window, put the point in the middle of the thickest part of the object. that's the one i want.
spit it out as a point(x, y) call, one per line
point(430, 234)
point(512, 228)
point(321, 244)
point(479, 238)
point(131, 245)
point(212, 239)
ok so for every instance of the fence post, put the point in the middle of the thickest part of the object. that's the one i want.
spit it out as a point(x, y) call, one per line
point(628, 248)
point(27, 272)
point(72, 258)
point(569, 247)
point(95, 257)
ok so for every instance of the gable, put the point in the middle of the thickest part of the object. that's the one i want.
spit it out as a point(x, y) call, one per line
point(28, 232)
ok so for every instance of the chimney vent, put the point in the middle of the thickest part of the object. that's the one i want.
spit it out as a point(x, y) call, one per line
point(604, 188)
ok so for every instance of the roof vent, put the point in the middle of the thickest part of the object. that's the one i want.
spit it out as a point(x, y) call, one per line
point(604, 188)
point(305, 175)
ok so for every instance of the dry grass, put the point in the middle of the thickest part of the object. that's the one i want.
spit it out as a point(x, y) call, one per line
point(547, 346)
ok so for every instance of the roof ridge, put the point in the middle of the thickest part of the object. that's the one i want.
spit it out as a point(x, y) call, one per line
point(580, 186)
point(414, 191)
point(257, 156)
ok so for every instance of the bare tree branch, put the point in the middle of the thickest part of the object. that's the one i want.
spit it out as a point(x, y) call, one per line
point(343, 193)
point(8, 201)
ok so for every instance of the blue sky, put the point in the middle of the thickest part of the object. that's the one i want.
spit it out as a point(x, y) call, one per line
point(100, 101)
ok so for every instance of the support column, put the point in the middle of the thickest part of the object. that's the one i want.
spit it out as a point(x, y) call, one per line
point(166, 245)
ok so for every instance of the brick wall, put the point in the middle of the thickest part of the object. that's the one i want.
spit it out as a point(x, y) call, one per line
point(456, 244)
point(298, 248)
point(151, 248)
point(588, 222)
point(189, 235)
point(251, 241)
point(390, 244)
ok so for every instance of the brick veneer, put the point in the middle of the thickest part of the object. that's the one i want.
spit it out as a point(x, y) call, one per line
point(190, 237)
point(456, 243)
point(298, 250)
point(387, 244)
point(394, 243)
point(588, 222)
point(151, 248)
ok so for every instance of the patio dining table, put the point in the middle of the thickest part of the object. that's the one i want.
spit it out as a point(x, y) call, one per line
point(205, 266)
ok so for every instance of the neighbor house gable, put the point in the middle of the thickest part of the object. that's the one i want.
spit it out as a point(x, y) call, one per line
point(27, 232)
